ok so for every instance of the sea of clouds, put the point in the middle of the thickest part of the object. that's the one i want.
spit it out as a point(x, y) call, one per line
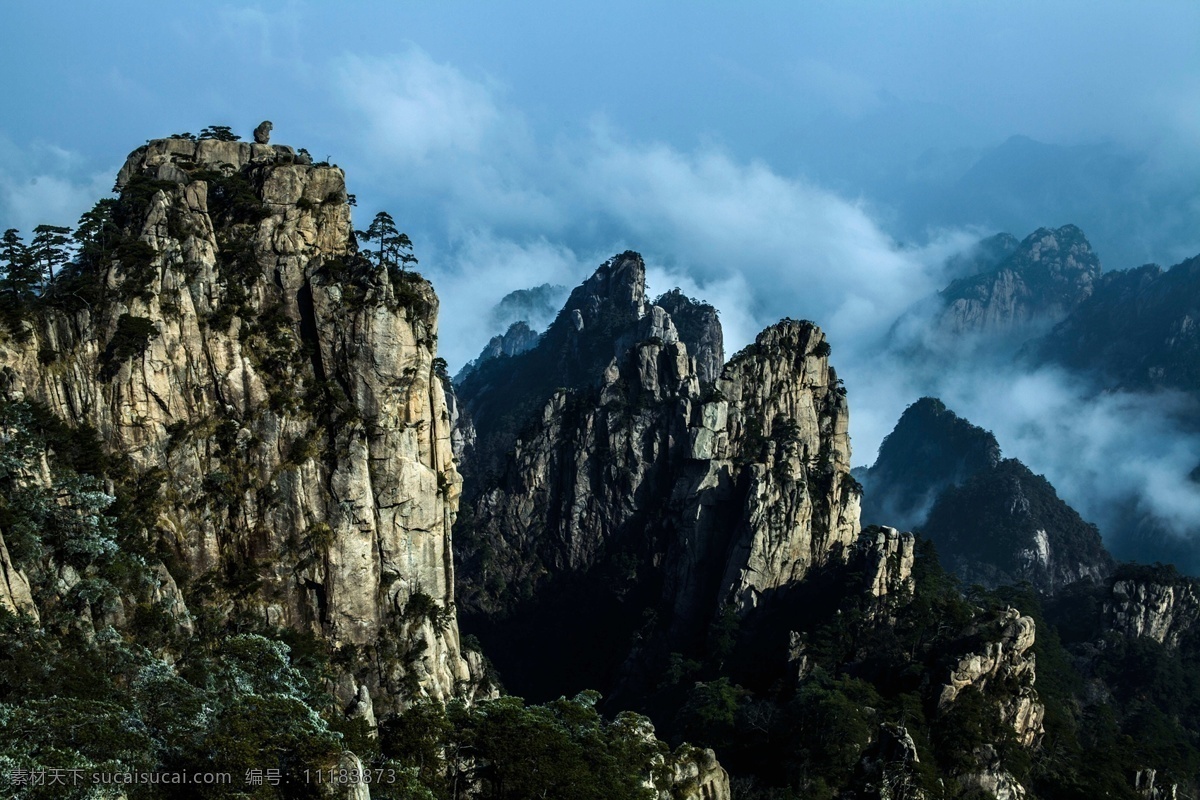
point(493, 207)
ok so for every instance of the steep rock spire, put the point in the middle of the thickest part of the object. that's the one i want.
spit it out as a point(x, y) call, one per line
point(282, 395)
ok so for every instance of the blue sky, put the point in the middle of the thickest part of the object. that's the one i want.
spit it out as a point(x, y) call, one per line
point(775, 158)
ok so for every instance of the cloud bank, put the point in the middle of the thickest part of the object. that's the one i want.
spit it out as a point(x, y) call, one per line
point(493, 207)
point(42, 183)
point(783, 246)
point(515, 212)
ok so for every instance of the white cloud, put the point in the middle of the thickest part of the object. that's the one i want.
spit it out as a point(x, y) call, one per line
point(802, 251)
point(1097, 450)
point(42, 183)
point(756, 244)
point(445, 140)
point(479, 270)
point(759, 245)
point(415, 109)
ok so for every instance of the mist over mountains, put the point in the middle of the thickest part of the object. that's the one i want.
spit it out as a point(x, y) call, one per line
point(601, 403)
point(1136, 208)
point(875, 156)
point(237, 473)
point(1005, 342)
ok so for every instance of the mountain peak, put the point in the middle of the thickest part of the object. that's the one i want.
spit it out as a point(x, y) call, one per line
point(930, 449)
point(616, 292)
point(225, 331)
point(1051, 272)
point(605, 318)
point(939, 473)
point(700, 327)
point(176, 158)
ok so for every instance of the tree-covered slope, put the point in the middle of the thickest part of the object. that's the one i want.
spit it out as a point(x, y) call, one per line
point(1137, 331)
point(930, 449)
point(1007, 525)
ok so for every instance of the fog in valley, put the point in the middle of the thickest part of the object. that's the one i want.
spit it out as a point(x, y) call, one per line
point(820, 163)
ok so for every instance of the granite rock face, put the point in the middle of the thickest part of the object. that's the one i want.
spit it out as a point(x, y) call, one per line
point(700, 327)
point(1165, 610)
point(517, 339)
point(888, 556)
point(992, 778)
point(787, 421)
point(262, 134)
point(696, 775)
point(283, 395)
point(642, 482)
point(15, 596)
point(1004, 659)
point(1048, 275)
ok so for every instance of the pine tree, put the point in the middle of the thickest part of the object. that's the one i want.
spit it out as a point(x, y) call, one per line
point(221, 133)
point(395, 248)
point(50, 249)
point(96, 233)
point(20, 272)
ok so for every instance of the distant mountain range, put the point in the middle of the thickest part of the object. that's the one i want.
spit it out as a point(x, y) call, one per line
point(1135, 211)
point(248, 523)
point(1138, 330)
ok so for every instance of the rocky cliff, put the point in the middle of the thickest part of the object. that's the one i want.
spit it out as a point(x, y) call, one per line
point(222, 333)
point(1159, 605)
point(536, 307)
point(228, 473)
point(1048, 275)
point(699, 326)
point(638, 482)
point(517, 339)
point(1005, 658)
point(15, 596)
point(982, 257)
point(696, 775)
point(1133, 640)
point(600, 321)
point(887, 557)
